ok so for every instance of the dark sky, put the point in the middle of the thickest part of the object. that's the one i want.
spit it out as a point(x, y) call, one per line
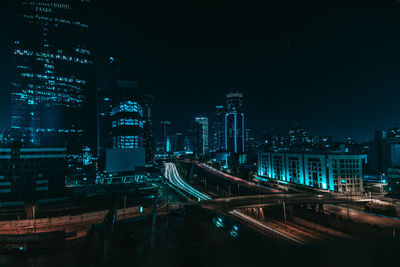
point(332, 66)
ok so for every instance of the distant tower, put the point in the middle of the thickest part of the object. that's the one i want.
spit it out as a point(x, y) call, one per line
point(218, 129)
point(148, 127)
point(165, 140)
point(204, 133)
point(234, 123)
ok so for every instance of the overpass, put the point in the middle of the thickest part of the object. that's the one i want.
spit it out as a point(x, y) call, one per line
point(237, 202)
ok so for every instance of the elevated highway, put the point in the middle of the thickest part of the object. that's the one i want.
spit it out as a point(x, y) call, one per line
point(172, 175)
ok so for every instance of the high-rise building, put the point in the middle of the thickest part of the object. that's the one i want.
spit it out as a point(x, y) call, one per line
point(234, 102)
point(218, 129)
point(53, 94)
point(384, 152)
point(204, 134)
point(148, 128)
point(126, 115)
point(165, 138)
point(196, 138)
point(179, 142)
point(234, 123)
point(298, 136)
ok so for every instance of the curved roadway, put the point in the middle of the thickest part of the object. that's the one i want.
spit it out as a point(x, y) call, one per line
point(171, 173)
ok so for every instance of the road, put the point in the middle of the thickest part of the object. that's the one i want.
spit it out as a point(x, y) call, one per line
point(78, 223)
point(172, 175)
point(235, 202)
point(237, 180)
point(363, 217)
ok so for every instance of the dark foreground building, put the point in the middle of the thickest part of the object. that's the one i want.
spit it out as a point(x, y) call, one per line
point(29, 173)
point(53, 86)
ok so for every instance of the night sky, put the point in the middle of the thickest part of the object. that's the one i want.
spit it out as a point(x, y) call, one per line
point(331, 66)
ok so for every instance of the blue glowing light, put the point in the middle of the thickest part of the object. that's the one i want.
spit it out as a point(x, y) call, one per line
point(234, 234)
point(218, 222)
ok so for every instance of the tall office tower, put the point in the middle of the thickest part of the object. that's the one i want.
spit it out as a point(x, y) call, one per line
point(234, 102)
point(204, 133)
point(196, 138)
point(53, 94)
point(234, 123)
point(165, 138)
point(126, 115)
point(148, 127)
point(218, 129)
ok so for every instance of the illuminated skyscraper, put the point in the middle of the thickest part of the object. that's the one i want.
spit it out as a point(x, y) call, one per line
point(203, 121)
point(126, 114)
point(148, 129)
point(218, 129)
point(234, 123)
point(53, 96)
point(165, 138)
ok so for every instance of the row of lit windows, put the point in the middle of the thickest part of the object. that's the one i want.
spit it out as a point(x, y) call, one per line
point(58, 20)
point(43, 130)
point(127, 122)
point(25, 52)
point(127, 106)
point(52, 77)
point(126, 141)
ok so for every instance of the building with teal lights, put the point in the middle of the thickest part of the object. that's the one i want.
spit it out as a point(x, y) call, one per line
point(234, 124)
point(53, 93)
point(328, 171)
point(126, 114)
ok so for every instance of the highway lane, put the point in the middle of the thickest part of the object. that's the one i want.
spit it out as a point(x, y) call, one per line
point(237, 180)
point(363, 216)
point(172, 175)
point(262, 226)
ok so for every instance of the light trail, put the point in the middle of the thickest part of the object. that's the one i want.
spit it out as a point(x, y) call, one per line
point(236, 179)
point(171, 173)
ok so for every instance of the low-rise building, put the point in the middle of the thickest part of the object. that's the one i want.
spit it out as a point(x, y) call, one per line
point(31, 172)
point(329, 171)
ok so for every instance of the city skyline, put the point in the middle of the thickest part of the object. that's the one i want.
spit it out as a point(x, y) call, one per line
point(295, 68)
point(183, 133)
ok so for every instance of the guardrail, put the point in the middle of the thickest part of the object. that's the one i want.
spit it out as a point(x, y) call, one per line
point(264, 228)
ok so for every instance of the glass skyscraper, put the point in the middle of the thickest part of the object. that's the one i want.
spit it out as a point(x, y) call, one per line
point(126, 114)
point(203, 121)
point(53, 87)
point(234, 123)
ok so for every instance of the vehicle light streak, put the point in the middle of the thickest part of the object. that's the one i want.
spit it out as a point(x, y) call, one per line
point(171, 173)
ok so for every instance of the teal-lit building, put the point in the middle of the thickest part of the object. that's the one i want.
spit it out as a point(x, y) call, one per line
point(328, 171)
point(53, 92)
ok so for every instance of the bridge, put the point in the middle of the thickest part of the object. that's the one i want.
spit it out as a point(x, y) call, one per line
point(238, 202)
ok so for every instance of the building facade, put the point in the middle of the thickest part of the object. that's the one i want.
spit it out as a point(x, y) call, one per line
point(203, 121)
point(218, 129)
point(28, 173)
point(335, 172)
point(126, 115)
point(164, 144)
point(148, 127)
point(53, 89)
point(234, 124)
